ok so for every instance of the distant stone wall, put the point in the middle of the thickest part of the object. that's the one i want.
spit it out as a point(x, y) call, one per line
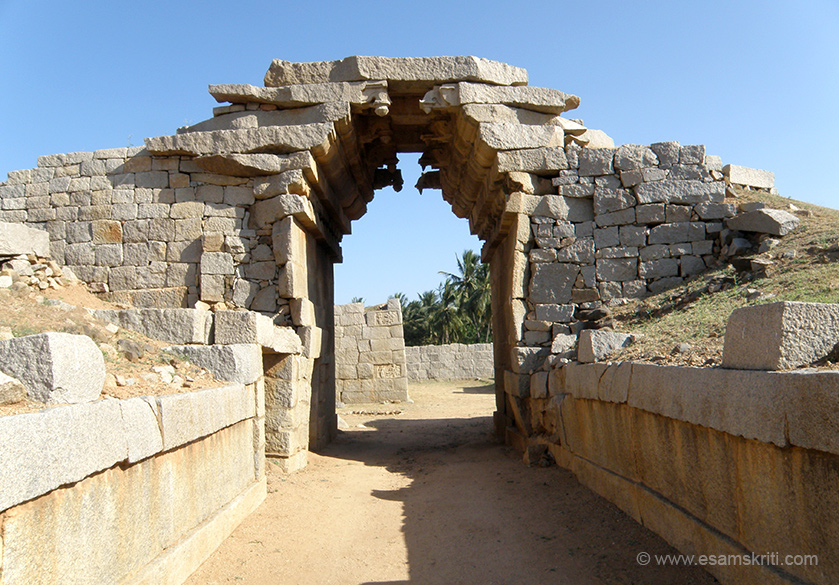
point(370, 353)
point(456, 361)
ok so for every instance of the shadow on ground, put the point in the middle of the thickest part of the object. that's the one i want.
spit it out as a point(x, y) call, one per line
point(485, 389)
point(474, 514)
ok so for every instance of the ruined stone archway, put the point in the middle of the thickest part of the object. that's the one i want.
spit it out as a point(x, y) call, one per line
point(247, 210)
point(553, 202)
point(320, 138)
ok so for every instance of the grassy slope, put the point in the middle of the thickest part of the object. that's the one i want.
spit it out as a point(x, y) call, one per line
point(694, 315)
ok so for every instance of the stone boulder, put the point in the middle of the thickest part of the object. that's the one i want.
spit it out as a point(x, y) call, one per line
point(16, 239)
point(240, 362)
point(765, 221)
point(11, 390)
point(779, 336)
point(55, 368)
point(598, 344)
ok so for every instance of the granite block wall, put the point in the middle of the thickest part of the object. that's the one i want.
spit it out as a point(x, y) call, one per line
point(370, 353)
point(455, 361)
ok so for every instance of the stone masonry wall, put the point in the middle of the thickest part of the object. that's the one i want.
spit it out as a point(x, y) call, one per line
point(164, 231)
point(632, 220)
point(370, 353)
point(456, 361)
point(716, 461)
point(152, 230)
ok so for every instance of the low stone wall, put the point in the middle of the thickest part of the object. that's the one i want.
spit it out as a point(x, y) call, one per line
point(128, 491)
point(370, 353)
point(718, 462)
point(456, 361)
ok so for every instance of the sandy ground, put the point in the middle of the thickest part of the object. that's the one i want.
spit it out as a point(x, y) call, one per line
point(422, 494)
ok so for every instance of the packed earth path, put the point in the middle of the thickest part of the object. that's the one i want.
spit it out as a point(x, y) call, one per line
point(422, 493)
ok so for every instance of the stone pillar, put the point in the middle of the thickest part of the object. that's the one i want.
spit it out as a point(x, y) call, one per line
point(288, 388)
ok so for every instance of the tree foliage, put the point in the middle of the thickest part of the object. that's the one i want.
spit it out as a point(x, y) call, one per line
point(459, 311)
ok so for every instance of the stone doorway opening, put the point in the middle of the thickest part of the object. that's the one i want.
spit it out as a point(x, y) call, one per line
point(412, 278)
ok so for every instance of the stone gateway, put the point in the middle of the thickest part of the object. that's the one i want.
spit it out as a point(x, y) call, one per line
point(247, 210)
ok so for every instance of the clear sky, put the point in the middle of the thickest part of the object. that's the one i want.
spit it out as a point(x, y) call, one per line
point(756, 82)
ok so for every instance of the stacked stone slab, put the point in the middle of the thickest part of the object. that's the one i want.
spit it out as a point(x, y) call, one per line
point(370, 353)
point(75, 479)
point(455, 361)
point(749, 178)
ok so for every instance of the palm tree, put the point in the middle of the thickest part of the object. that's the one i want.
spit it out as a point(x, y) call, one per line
point(459, 311)
point(416, 319)
point(473, 289)
point(448, 320)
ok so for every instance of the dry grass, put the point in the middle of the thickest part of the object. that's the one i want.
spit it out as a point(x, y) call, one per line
point(29, 313)
point(695, 315)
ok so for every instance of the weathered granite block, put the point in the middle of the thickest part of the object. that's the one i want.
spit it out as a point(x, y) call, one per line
point(679, 191)
point(56, 368)
point(617, 270)
point(170, 325)
point(232, 327)
point(186, 417)
point(58, 446)
point(750, 177)
point(596, 161)
point(765, 221)
point(779, 336)
point(552, 283)
point(235, 363)
point(630, 156)
point(669, 233)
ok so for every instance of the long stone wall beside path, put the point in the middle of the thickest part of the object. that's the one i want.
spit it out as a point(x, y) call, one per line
point(135, 491)
point(716, 461)
point(455, 361)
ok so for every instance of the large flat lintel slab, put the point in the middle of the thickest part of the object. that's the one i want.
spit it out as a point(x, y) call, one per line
point(367, 93)
point(275, 139)
point(419, 70)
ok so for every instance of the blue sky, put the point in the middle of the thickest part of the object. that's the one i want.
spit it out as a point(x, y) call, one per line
point(756, 82)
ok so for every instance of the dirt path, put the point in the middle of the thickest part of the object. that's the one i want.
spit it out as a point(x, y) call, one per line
point(421, 494)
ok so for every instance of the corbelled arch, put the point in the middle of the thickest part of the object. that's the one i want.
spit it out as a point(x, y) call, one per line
point(553, 202)
point(320, 138)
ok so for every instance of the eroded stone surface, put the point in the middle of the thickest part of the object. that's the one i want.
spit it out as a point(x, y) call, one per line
point(11, 390)
point(597, 344)
point(232, 327)
point(170, 325)
point(407, 69)
point(537, 99)
point(56, 368)
point(235, 363)
point(18, 239)
point(750, 177)
point(765, 221)
point(779, 336)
